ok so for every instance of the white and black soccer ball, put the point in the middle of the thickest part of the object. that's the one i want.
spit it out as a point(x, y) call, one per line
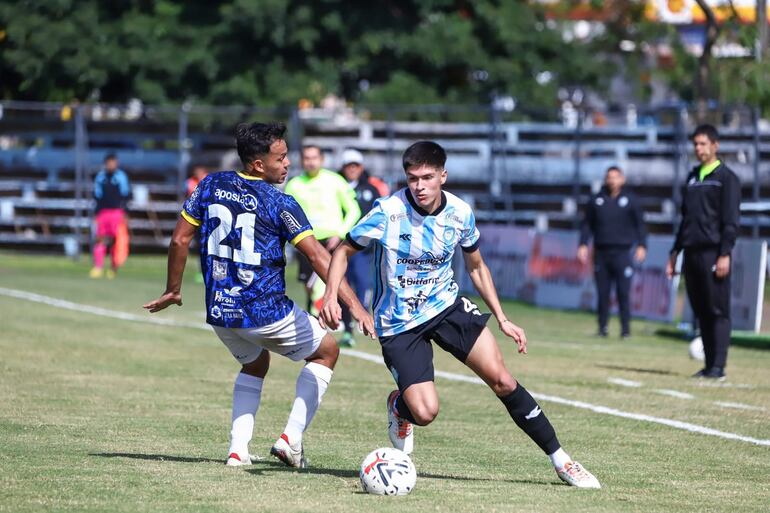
point(695, 349)
point(387, 471)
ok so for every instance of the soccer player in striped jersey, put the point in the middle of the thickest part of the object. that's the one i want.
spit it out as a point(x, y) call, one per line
point(244, 223)
point(415, 233)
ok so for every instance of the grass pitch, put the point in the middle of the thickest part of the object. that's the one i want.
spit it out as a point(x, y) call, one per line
point(100, 414)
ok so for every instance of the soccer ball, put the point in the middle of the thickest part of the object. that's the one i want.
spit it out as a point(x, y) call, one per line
point(696, 349)
point(387, 471)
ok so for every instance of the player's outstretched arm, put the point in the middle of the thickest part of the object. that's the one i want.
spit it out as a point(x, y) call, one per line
point(321, 261)
point(482, 280)
point(178, 249)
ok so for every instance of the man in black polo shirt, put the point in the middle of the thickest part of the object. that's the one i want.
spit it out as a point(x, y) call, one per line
point(614, 218)
point(710, 219)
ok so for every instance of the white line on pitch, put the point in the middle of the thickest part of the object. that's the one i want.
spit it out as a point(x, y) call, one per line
point(624, 382)
point(738, 406)
point(674, 393)
point(686, 426)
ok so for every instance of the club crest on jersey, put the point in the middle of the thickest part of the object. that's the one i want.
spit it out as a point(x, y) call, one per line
point(449, 234)
point(216, 312)
point(623, 201)
point(218, 270)
point(245, 276)
point(600, 201)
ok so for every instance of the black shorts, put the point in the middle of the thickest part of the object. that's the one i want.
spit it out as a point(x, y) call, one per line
point(409, 355)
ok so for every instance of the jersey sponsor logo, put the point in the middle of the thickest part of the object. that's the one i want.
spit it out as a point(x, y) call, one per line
point(290, 222)
point(218, 270)
point(398, 217)
point(406, 281)
point(426, 262)
point(226, 296)
point(245, 276)
point(248, 201)
point(469, 306)
point(405, 236)
point(414, 302)
point(453, 217)
point(622, 202)
point(216, 312)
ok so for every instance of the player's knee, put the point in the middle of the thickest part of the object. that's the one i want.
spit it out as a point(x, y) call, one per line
point(424, 414)
point(327, 352)
point(503, 385)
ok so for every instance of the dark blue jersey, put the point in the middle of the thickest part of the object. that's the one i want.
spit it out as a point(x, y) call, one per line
point(244, 225)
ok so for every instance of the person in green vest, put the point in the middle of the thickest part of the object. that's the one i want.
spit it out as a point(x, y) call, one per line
point(331, 207)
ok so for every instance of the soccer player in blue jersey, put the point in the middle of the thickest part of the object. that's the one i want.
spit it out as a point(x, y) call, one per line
point(244, 223)
point(415, 232)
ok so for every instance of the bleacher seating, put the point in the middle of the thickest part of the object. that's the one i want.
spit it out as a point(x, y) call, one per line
point(520, 173)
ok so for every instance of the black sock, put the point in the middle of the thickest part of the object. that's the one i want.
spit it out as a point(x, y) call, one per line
point(403, 409)
point(526, 413)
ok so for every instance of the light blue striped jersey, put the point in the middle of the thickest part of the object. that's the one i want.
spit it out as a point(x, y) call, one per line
point(413, 278)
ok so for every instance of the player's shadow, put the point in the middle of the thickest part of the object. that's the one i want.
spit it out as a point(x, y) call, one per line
point(262, 467)
point(154, 457)
point(637, 369)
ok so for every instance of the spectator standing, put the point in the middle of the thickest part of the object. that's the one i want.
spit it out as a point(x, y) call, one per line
point(111, 192)
point(331, 208)
point(614, 219)
point(359, 273)
point(707, 232)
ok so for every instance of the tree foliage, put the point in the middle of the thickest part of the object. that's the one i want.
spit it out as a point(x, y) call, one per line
point(275, 52)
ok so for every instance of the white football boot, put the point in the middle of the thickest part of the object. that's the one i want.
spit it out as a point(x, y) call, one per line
point(291, 454)
point(400, 430)
point(574, 474)
point(234, 460)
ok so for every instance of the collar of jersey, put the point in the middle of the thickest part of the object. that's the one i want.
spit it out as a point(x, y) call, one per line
point(706, 170)
point(421, 210)
point(247, 177)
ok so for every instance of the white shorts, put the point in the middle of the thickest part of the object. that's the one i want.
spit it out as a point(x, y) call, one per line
point(296, 337)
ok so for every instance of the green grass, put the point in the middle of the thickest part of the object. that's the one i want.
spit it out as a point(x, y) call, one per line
point(99, 414)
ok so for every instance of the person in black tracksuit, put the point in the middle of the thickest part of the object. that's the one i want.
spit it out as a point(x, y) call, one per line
point(614, 218)
point(709, 227)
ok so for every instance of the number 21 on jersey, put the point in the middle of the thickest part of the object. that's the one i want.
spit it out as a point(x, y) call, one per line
point(245, 221)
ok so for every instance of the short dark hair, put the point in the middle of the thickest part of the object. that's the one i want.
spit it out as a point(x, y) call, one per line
point(707, 130)
point(614, 168)
point(424, 153)
point(254, 139)
point(310, 147)
point(110, 156)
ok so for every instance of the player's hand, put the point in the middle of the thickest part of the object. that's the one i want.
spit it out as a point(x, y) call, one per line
point(723, 266)
point(582, 254)
point(332, 242)
point(331, 313)
point(365, 322)
point(671, 267)
point(164, 301)
point(640, 254)
point(516, 333)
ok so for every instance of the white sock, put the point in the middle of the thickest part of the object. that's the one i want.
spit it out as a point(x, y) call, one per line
point(559, 458)
point(311, 385)
point(246, 394)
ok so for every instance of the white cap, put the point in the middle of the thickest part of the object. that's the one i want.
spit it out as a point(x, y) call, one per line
point(351, 156)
